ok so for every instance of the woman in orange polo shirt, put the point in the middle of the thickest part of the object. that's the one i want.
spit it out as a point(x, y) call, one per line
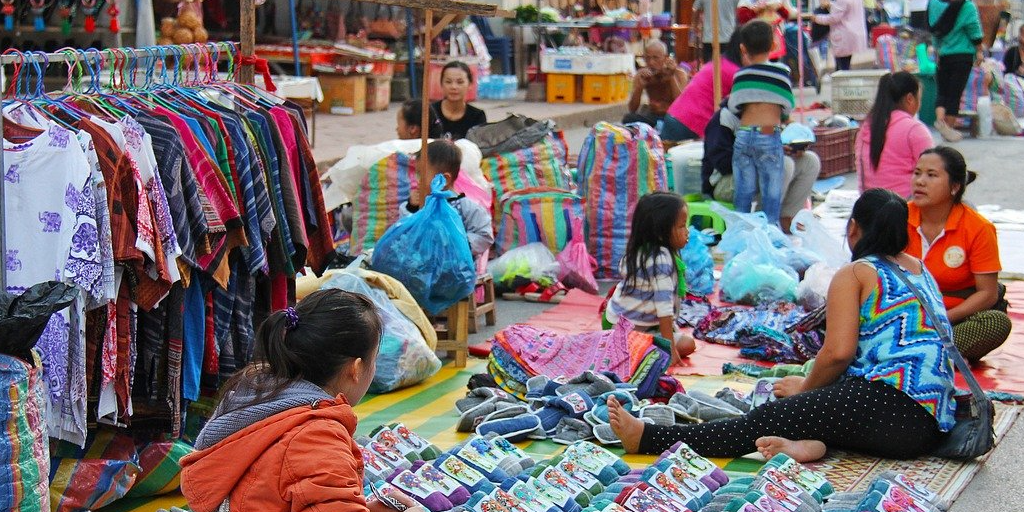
point(959, 248)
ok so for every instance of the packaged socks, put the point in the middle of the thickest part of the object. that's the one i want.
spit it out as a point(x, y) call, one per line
point(918, 491)
point(888, 496)
point(529, 496)
point(561, 497)
point(807, 478)
point(452, 488)
point(703, 469)
point(579, 476)
point(384, 452)
point(555, 477)
point(679, 486)
point(418, 489)
point(640, 497)
point(470, 478)
point(482, 456)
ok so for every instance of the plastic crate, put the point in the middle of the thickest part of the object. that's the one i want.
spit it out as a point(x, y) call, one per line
point(853, 92)
point(599, 88)
point(835, 149)
point(561, 88)
point(624, 87)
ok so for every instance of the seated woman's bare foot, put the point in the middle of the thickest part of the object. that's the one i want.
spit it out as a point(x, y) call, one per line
point(800, 451)
point(628, 428)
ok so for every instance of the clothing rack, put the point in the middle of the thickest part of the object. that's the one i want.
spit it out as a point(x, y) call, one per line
point(116, 56)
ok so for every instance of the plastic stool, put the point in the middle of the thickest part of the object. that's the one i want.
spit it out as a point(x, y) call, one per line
point(702, 209)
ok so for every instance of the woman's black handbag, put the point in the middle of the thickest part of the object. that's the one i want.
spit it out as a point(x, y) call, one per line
point(972, 436)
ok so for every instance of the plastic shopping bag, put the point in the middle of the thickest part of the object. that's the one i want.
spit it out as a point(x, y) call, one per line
point(577, 265)
point(531, 262)
point(700, 266)
point(738, 225)
point(813, 290)
point(816, 239)
point(404, 358)
point(759, 274)
point(429, 253)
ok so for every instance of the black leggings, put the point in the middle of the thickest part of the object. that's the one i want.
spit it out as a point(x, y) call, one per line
point(869, 417)
point(951, 79)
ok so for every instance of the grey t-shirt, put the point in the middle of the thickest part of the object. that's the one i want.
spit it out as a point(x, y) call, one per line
point(726, 19)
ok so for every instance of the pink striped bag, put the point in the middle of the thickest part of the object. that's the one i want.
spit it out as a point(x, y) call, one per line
point(886, 53)
point(1013, 93)
point(617, 165)
point(383, 189)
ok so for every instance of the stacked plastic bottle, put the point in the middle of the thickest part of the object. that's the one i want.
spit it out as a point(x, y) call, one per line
point(497, 87)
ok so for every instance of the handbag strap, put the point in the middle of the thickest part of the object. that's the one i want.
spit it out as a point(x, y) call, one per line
point(943, 330)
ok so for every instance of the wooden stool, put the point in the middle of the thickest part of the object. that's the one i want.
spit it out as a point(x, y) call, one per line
point(452, 331)
point(486, 307)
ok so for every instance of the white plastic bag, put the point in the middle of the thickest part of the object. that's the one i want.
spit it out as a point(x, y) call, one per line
point(533, 262)
point(815, 238)
point(813, 290)
point(341, 182)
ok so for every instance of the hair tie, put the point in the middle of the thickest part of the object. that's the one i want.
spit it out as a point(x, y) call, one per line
point(292, 316)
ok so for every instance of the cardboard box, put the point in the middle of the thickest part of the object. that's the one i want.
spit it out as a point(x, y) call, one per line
point(343, 94)
point(378, 93)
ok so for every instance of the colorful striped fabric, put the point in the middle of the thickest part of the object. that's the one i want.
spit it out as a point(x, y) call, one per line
point(383, 189)
point(617, 165)
point(1013, 93)
point(536, 214)
point(24, 452)
point(88, 479)
point(161, 471)
point(540, 165)
point(887, 53)
point(976, 84)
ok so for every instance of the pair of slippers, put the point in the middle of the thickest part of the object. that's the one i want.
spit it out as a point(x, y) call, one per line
point(890, 492)
point(533, 293)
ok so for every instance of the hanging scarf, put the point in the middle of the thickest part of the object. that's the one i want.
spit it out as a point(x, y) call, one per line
point(947, 20)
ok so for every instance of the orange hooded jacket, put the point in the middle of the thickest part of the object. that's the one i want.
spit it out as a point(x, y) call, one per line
point(302, 459)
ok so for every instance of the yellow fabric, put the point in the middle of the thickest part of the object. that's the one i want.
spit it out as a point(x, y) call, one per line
point(394, 289)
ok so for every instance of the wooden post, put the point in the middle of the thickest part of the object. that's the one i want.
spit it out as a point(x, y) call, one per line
point(247, 38)
point(716, 54)
point(421, 163)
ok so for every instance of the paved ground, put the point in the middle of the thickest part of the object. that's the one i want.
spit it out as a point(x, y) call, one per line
point(998, 160)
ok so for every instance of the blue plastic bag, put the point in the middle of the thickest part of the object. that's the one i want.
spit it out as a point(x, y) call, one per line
point(429, 253)
point(700, 266)
point(759, 274)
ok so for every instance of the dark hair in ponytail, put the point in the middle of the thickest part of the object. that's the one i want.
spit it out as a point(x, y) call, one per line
point(882, 217)
point(956, 168)
point(412, 113)
point(312, 342)
point(892, 88)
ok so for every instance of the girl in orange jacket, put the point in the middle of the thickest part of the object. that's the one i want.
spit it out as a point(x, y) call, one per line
point(281, 438)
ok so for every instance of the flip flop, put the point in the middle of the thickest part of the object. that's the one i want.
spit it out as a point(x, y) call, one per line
point(522, 292)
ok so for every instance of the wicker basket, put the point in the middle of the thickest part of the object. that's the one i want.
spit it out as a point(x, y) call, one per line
point(834, 146)
point(853, 92)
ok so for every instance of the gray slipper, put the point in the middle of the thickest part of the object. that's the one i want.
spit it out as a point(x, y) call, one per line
point(658, 414)
point(478, 396)
point(571, 430)
point(605, 435)
point(469, 419)
point(589, 383)
point(734, 398)
point(702, 406)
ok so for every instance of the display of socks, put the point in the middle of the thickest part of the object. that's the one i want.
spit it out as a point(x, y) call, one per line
point(452, 488)
point(426, 449)
point(687, 491)
point(530, 496)
point(473, 480)
point(807, 478)
point(889, 496)
point(420, 490)
point(489, 473)
point(920, 492)
point(554, 476)
point(518, 456)
point(481, 455)
point(704, 467)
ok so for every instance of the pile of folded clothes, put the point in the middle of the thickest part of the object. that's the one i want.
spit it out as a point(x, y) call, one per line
point(521, 351)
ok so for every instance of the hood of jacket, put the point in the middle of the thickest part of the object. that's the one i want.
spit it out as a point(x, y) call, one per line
point(211, 473)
